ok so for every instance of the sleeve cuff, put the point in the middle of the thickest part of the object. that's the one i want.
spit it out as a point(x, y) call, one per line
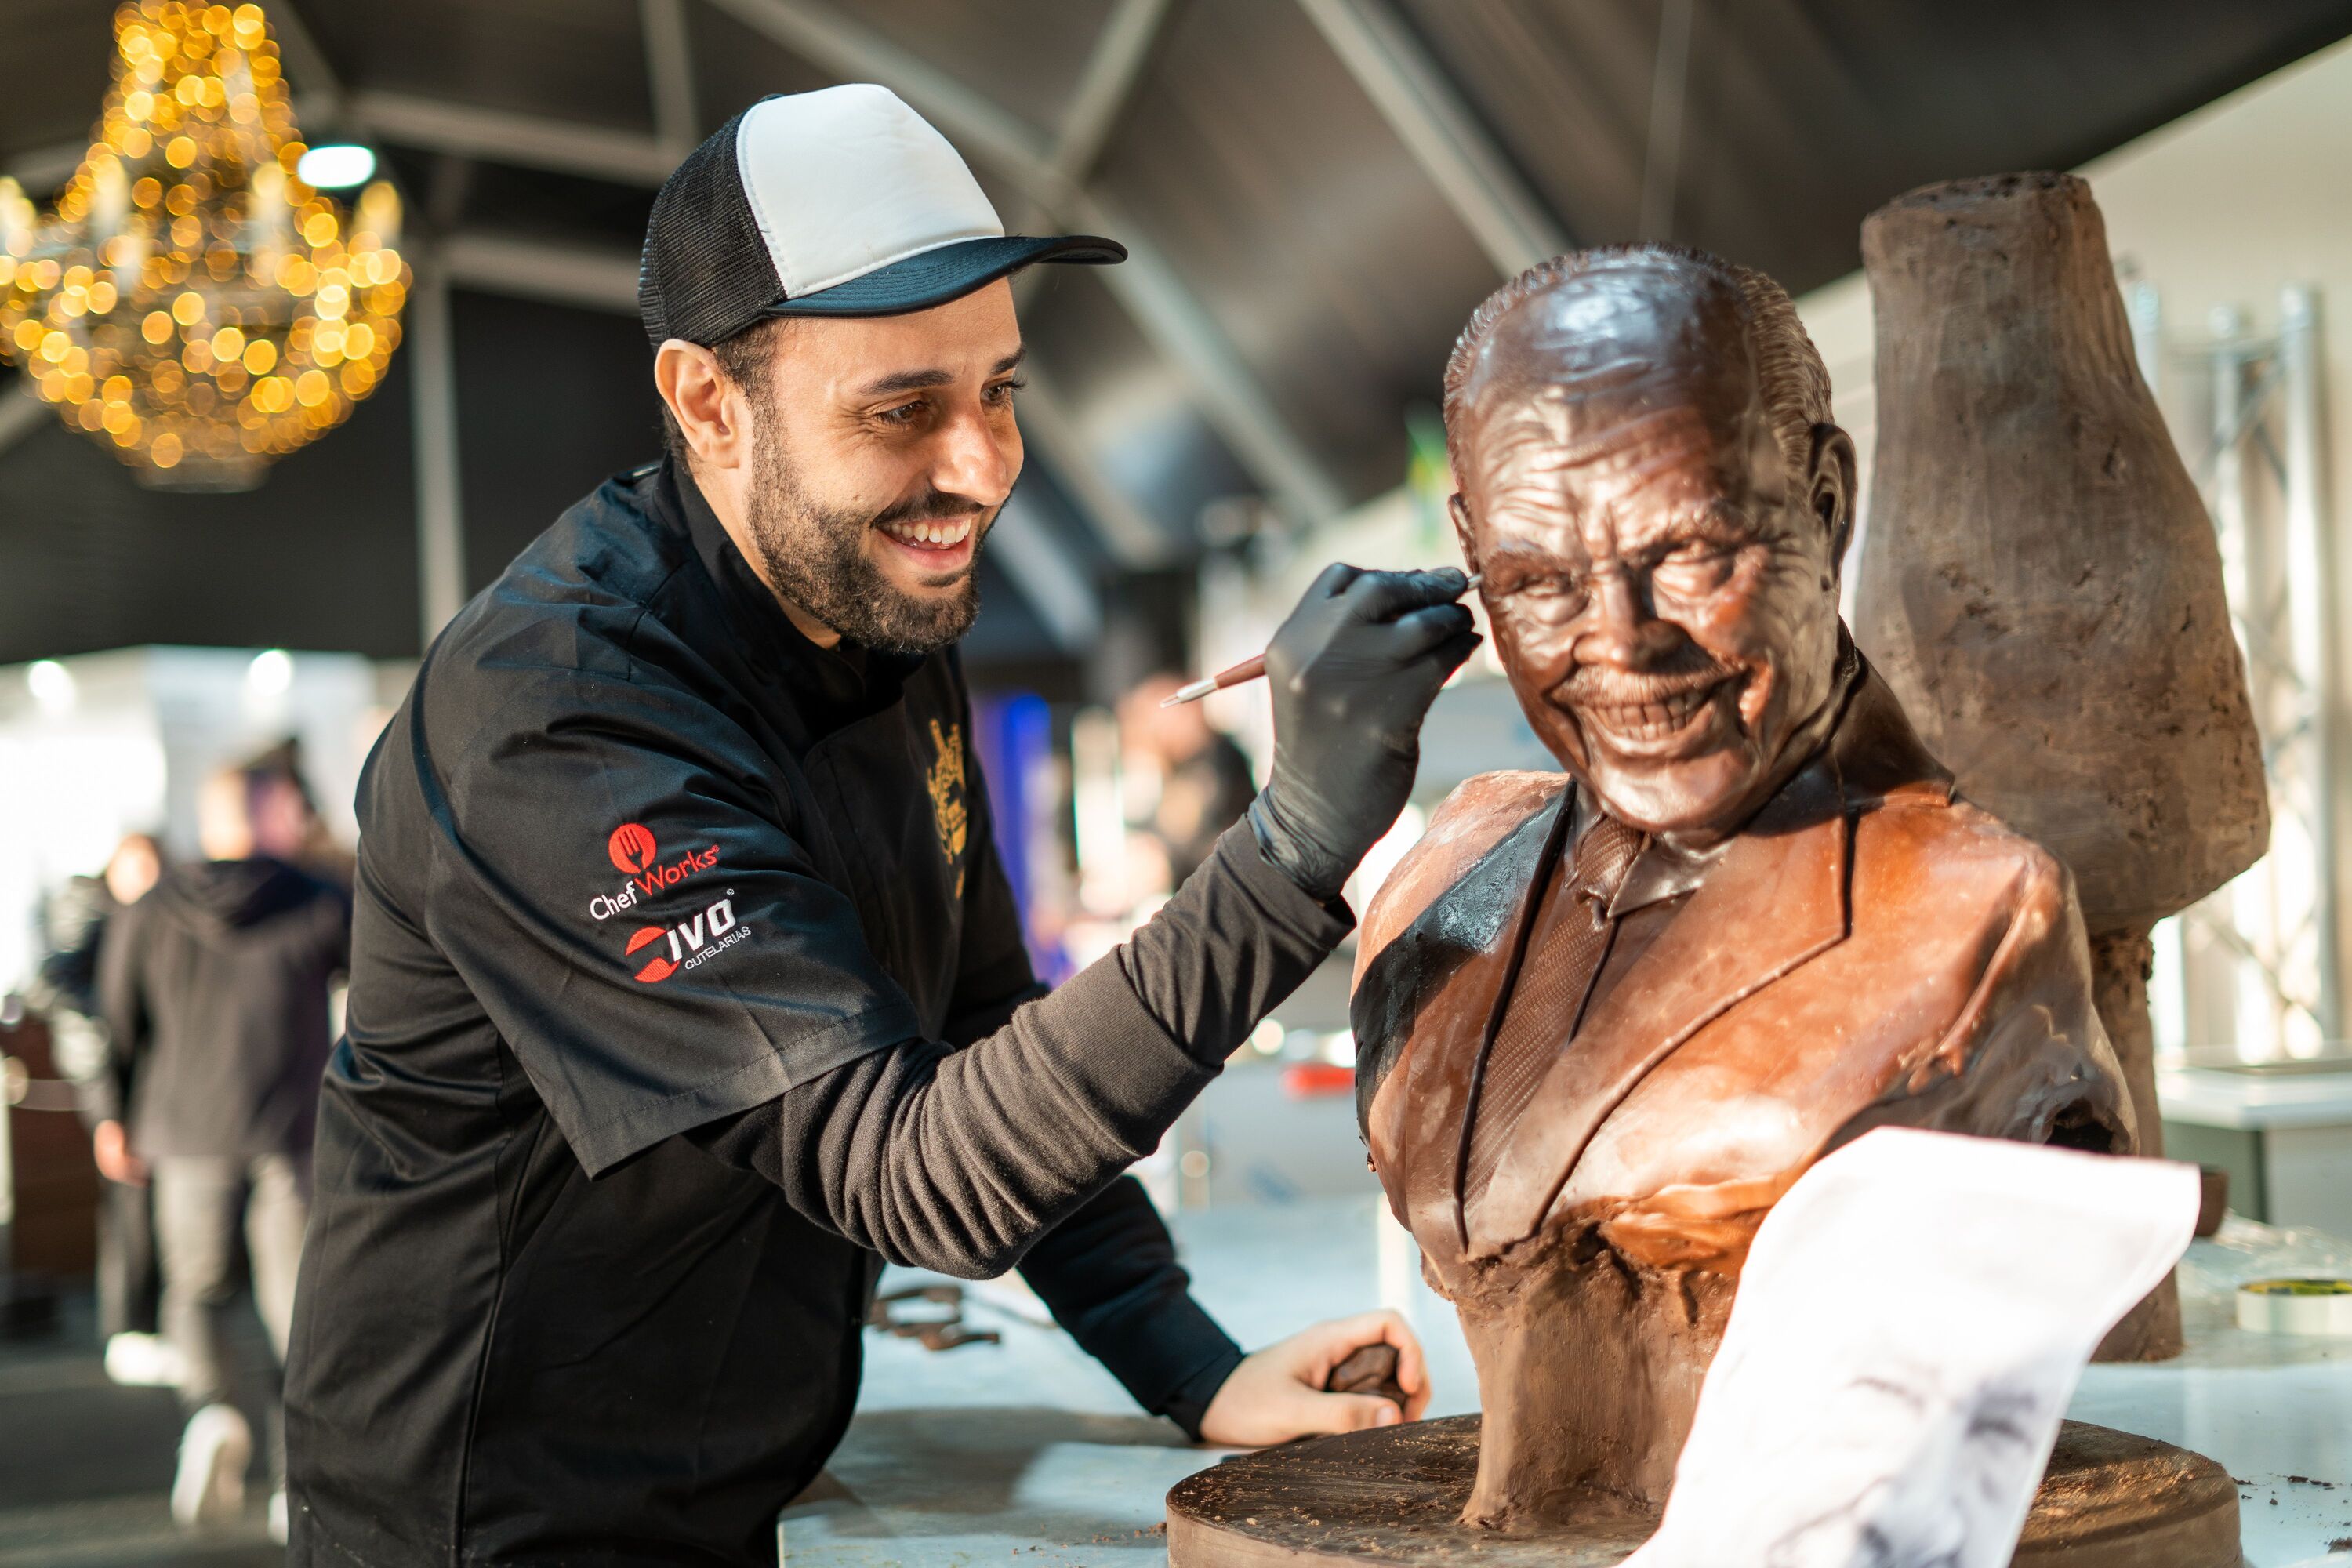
point(1189, 1406)
point(1311, 920)
point(604, 1144)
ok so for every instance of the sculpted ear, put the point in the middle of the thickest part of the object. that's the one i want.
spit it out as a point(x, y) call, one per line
point(1459, 510)
point(1832, 498)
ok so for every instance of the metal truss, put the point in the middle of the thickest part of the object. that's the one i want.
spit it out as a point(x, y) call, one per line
point(2254, 966)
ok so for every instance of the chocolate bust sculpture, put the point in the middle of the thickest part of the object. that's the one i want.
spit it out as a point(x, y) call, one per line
point(1604, 1020)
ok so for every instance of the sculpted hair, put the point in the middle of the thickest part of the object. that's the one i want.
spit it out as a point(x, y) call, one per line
point(1794, 383)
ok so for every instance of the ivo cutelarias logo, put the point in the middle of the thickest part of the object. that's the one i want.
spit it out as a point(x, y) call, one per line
point(688, 944)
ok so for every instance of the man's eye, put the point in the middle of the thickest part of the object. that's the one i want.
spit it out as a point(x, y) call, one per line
point(904, 414)
point(1001, 394)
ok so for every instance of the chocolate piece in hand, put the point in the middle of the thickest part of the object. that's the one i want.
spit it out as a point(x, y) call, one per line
point(1372, 1369)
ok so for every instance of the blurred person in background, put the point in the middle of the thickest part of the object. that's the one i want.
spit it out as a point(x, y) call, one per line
point(285, 812)
point(65, 991)
point(1204, 779)
point(215, 994)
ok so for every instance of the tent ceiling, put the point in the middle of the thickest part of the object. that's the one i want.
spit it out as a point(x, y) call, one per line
point(1318, 191)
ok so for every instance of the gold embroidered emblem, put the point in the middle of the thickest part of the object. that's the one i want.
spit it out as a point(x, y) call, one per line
point(945, 780)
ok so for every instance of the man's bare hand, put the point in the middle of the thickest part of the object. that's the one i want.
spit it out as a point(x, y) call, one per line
point(111, 1147)
point(1278, 1394)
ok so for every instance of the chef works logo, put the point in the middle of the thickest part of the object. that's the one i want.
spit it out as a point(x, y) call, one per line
point(714, 930)
point(630, 847)
point(633, 851)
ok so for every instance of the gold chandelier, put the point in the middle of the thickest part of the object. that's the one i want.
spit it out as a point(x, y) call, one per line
point(190, 300)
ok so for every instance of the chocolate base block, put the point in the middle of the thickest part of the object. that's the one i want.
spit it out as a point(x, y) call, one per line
point(1394, 1497)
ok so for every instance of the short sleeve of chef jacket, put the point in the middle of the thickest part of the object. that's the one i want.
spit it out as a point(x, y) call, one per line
point(621, 887)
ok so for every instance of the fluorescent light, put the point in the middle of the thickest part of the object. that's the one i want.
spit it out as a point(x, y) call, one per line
point(52, 685)
point(270, 673)
point(336, 167)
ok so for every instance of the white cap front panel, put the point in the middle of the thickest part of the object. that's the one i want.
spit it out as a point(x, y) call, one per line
point(848, 179)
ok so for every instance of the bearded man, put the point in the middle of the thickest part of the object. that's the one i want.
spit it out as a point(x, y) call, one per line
point(687, 986)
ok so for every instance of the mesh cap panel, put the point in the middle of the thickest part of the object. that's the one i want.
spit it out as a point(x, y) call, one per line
point(705, 274)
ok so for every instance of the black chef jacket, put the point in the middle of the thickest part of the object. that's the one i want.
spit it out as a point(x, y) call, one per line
point(643, 874)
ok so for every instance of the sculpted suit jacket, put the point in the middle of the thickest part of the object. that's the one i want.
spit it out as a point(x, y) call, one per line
point(1870, 950)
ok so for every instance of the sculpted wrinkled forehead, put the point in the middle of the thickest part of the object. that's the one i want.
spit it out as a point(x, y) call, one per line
point(1602, 353)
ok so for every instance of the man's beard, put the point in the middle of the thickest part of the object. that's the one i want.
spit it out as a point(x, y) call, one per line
point(815, 556)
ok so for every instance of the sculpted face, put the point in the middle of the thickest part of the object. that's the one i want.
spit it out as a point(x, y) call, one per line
point(1663, 595)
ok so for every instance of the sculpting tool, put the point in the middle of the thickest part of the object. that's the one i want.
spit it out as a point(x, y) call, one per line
point(1250, 668)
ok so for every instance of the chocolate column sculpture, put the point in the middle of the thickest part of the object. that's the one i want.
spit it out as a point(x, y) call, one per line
point(2040, 585)
point(1604, 1019)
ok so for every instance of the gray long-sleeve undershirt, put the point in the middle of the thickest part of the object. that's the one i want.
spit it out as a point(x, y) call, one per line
point(959, 1160)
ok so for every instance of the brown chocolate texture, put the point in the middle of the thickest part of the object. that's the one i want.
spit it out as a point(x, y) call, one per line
point(2043, 588)
point(1819, 937)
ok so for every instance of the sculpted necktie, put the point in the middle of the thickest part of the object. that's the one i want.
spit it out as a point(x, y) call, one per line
point(1547, 1004)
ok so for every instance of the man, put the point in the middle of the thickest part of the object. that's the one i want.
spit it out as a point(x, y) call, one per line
point(688, 985)
point(214, 988)
point(1606, 1019)
point(1204, 778)
point(65, 988)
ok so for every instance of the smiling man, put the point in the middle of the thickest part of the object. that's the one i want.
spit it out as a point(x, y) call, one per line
point(687, 986)
point(1605, 1019)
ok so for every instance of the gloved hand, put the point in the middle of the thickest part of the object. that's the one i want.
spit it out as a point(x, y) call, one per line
point(1352, 673)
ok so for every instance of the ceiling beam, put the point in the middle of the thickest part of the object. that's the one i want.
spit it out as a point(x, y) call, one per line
point(1510, 221)
point(1121, 50)
point(43, 169)
point(1236, 406)
point(324, 102)
point(595, 278)
point(1057, 588)
point(1163, 307)
point(1119, 55)
point(1134, 539)
point(528, 141)
point(1661, 158)
point(669, 74)
point(851, 52)
point(320, 97)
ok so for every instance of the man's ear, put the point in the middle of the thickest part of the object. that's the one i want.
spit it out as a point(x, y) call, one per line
point(710, 410)
point(1459, 510)
point(1831, 498)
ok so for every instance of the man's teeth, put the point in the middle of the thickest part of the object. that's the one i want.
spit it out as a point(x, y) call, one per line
point(937, 535)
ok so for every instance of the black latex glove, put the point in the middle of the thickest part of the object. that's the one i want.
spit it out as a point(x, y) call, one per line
point(1352, 673)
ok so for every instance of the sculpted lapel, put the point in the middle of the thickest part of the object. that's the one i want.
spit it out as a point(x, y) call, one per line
point(1777, 898)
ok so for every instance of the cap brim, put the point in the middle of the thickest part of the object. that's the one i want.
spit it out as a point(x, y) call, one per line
point(949, 272)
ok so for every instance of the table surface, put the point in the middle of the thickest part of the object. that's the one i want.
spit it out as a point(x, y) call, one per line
point(2212, 1097)
point(1028, 1451)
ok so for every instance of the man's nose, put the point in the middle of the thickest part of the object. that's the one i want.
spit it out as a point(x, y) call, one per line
point(973, 461)
point(1622, 628)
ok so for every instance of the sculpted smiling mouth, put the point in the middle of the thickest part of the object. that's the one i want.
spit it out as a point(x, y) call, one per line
point(1644, 708)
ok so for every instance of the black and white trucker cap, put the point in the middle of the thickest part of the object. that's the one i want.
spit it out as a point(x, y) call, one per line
point(842, 202)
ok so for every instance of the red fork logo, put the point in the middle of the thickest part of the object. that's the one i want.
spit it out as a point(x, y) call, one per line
point(630, 847)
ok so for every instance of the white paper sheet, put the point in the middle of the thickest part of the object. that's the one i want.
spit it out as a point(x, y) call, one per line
point(1910, 1325)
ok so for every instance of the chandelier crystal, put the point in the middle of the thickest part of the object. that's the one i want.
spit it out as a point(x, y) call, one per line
point(189, 300)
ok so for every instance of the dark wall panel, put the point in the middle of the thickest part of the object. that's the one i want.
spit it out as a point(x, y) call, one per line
point(550, 402)
point(322, 555)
